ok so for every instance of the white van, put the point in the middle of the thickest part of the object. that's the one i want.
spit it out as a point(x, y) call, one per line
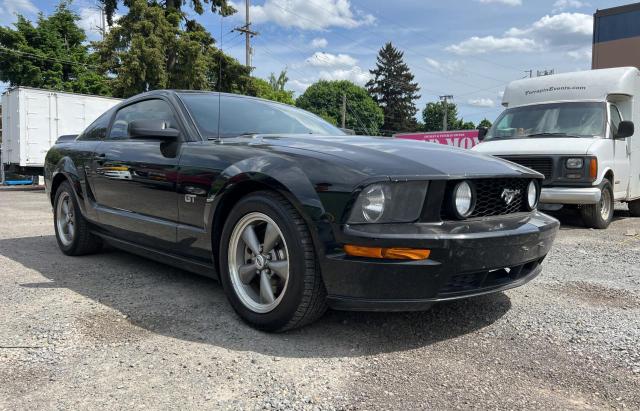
point(578, 130)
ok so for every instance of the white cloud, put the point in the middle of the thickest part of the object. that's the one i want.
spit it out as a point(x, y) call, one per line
point(354, 74)
point(446, 67)
point(481, 102)
point(581, 54)
point(491, 44)
point(321, 59)
point(90, 21)
point(506, 2)
point(308, 14)
point(319, 43)
point(561, 5)
point(559, 29)
point(9, 8)
point(299, 86)
point(563, 30)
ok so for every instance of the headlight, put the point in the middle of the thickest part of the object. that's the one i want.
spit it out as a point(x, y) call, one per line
point(397, 202)
point(532, 195)
point(463, 199)
point(574, 163)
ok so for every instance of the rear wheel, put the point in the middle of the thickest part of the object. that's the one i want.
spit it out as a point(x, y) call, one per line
point(72, 229)
point(600, 215)
point(634, 208)
point(268, 264)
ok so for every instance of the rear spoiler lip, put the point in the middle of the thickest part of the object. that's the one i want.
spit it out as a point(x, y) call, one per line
point(66, 138)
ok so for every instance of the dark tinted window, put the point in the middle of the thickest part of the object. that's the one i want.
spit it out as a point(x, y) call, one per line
point(617, 26)
point(98, 129)
point(144, 110)
point(240, 115)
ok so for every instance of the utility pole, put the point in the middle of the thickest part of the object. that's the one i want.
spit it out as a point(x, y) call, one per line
point(445, 107)
point(248, 33)
point(102, 25)
point(530, 72)
point(344, 110)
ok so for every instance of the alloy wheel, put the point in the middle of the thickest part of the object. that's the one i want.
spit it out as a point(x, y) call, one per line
point(65, 219)
point(258, 262)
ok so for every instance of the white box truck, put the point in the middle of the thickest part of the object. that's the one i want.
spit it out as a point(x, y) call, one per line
point(578, 130)
point(33, 119)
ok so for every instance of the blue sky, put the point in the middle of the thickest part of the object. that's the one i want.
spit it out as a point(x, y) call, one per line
point(467, 48)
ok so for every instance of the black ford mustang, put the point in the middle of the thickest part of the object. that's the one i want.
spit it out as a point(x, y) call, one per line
point(291, 214)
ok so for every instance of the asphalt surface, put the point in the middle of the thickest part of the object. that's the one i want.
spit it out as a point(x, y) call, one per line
point(116, 331)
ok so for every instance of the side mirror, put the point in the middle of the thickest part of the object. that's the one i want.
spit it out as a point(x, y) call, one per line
point(482, 133)
point(625, 129)
point(152, 129)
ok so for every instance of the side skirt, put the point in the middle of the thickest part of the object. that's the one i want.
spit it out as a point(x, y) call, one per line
point(196, 267)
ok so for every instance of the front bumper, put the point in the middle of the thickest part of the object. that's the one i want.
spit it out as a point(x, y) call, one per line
point(570, 195)
point(468, 258)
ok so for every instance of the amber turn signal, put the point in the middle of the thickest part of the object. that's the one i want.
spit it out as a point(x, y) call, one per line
point(388, 253)
point(593, 169)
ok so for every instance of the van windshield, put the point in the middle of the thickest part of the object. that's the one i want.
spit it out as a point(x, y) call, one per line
point(574, 119)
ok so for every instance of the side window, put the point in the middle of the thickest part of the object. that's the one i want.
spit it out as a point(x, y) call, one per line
point(98, 129)
point(144, 110)
point(614, 119)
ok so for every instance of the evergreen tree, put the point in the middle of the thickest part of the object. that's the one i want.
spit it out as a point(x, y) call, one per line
point(393, 89)
point(324, 98)
point(153, 47)
point(51, 54)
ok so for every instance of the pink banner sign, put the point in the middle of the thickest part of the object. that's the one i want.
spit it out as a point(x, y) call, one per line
point(462, 138)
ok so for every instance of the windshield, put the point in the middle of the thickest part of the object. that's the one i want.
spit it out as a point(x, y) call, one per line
point(240, 116)
point(576, 119)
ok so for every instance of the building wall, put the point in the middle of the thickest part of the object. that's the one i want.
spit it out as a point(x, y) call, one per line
point(616, 37)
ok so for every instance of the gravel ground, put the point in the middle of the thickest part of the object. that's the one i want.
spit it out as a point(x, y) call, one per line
point(117, 331)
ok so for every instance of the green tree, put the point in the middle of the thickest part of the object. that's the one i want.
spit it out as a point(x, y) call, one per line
point(264, 89)
point(433, 113)
point(152, 47)
point(51, 54)
point(324, 98)
point(485, 123)
point(278, 83)
point(465, 125)
point(393, 89)
point(216, 6)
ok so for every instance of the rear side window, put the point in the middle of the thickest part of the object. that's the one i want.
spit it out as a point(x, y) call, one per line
point(144, 110)
point(98, 129)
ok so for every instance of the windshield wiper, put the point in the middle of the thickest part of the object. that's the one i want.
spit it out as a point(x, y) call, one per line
point(551, 135)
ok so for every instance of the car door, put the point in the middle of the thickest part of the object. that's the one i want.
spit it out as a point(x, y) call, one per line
point(135, 178)
point(621, 155)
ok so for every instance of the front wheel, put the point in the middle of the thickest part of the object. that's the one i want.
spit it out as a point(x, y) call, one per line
point(600, 215)
point(268, 264)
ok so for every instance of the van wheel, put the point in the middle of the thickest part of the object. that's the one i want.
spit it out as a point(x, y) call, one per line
point(634, 208)
point(72, 229)
point(600, 215)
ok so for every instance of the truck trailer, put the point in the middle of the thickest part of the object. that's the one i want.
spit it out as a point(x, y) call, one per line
point(33, 119)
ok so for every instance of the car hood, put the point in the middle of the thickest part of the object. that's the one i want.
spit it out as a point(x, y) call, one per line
point(396, 157)
point(548, 145)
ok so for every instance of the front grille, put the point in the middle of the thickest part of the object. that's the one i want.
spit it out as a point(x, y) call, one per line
point(491, 196)
point(543, 165)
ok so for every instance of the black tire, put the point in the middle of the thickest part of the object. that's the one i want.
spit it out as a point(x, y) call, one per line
point(634, 208)
point(304, 297)
point(592, 214)
point(82, 241)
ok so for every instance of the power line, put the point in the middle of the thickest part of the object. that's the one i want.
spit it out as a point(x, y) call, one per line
point(55, 60)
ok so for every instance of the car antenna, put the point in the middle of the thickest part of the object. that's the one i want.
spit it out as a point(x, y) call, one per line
point(220, 74)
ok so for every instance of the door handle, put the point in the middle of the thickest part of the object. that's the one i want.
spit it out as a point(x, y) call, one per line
point(100, 158)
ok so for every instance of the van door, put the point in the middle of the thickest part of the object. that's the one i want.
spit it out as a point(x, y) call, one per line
point(621, 154)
